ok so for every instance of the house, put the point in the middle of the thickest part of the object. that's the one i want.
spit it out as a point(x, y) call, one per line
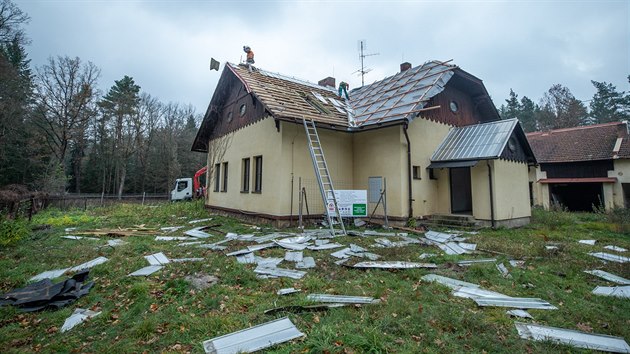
point(429, 136)
point(582, 167)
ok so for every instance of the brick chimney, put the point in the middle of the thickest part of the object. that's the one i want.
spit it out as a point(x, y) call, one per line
point(329, 81)
point(405, 66)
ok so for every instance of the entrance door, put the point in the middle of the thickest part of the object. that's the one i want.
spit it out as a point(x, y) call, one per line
point(461, 195)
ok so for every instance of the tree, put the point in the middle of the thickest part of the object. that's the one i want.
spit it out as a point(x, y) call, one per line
point(121, 106)
point(608, 105)
point(560, 109)
point(528, 113)
point(513, 108)
point(65, 100)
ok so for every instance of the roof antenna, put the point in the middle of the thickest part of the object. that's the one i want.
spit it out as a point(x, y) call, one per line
point(362, 45)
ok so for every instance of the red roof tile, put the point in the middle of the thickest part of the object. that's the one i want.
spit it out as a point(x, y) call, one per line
point(587, 143)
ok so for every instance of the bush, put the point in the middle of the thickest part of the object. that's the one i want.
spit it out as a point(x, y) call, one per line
point(12, 231)
point(620, 217)
point(552, 219)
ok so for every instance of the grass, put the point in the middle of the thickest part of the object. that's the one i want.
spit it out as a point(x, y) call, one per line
point(163, 313)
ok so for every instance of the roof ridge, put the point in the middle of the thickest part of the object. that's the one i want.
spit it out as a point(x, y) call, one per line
point(562, 130)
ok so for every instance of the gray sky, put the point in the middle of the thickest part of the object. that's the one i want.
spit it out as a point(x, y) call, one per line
point(166, 45)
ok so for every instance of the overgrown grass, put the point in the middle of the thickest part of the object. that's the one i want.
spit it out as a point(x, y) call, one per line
point(163, 313)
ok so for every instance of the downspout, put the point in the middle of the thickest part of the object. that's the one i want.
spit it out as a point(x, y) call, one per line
point(409, 171)
point(491, 195)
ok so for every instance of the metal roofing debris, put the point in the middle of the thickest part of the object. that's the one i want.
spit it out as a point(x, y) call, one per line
point(116, 242)
point(573, 338)
point(587, 242)
point(516, 302)
point(503, 270)
point(326, 246)
point(394, 265)
point(49, 274)
point(467, 246)
point(261, 246)
point(610, 257)
point(181, 260)
point(515, 263)
point(519, 313)
point(292, 245)
point(305, 263)
point(69, 229)
point(287, 291)
point(474, 142)
point(469, 262)
point(616, 291)
point(450, 282)
point(148, 270)
point(551, 247)
point(473, 293)
point(302, 308)
point(170, 228)
point(247, 258)
point(268, 262)
point(427, 255)
point(293, 256)
point(440, 237)
point(239, 252)
point(77, 317)
point(386, 234)
point(452, 248)
point(254, 338)
point(190, 243)
point(608, 276)
point(89, 264)
point(279, 272)
point(199, 220)
point(615, 248)
point(196, 232)
point(342, 299)
point(157, 259)
point(174, 238)
point(79, 238)
point(359, 223)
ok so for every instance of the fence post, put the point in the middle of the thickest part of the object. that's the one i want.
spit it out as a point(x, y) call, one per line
point(143, 195)
point(102, 195)
point(84, 203)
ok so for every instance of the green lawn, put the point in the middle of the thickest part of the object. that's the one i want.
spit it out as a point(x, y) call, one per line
point(163, 313)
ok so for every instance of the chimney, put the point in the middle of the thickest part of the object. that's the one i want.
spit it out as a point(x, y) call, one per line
point(405, 66)
point(329, 81)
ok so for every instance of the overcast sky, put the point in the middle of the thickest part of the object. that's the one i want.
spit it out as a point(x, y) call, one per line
point(166, 45)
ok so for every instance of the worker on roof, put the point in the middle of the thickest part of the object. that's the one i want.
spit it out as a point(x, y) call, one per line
point(250, 58)
point(343, 86)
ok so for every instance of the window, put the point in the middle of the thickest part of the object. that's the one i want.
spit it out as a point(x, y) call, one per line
point(432, 173)
point(229, 117)
point(416, 172)
point(181, 185)
point(225, 177)
point(453, 106)
point(217, 177)
point(242, 109)
point(258, 176)
point(245, 185)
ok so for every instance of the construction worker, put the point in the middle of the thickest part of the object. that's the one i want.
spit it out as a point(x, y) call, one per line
point(343, 86)
point(250, 57)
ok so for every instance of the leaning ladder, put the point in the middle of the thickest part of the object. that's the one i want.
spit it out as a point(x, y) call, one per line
point(323, 176)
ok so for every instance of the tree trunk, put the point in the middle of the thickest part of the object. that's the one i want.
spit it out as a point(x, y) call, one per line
point(121, 185)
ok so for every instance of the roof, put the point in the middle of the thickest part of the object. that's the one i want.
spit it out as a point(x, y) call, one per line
point(475, 142)
point(396, 97)
point(587, 143)
point(288, 98)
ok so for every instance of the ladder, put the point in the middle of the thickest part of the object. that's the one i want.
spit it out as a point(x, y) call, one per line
point(323, 177)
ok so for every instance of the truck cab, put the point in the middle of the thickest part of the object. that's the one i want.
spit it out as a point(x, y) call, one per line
point(183, 189)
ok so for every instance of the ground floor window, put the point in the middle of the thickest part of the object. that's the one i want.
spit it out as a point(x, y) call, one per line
point(225, 177)
point(245, 179)
point(217, 177)
point(258, 161)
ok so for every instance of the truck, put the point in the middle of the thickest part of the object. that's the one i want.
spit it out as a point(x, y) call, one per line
point(189, 188)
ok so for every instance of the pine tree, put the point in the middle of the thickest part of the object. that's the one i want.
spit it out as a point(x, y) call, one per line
point(608, 105)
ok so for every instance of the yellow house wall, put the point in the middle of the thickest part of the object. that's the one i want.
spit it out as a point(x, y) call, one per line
point(480, 190)
point(540, 191)
point(622, 173)
point(511, 190)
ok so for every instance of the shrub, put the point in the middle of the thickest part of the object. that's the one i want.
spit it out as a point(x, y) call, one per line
point(620, 217)
point(552, 219)
point(12, 231)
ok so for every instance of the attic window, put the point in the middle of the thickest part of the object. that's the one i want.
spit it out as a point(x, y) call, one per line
point(242, 109)
point(453, 106)
point(229, 117)
point(314, 103)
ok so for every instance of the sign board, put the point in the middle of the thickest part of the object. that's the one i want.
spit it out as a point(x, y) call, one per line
point(351, 203)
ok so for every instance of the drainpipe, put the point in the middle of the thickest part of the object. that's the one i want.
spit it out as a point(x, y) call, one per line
point(491, 195)
point(409, 171)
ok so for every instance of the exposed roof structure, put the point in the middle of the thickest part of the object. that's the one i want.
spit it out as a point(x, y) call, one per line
point(588, 143)
point(398, 96)
point(476, 142)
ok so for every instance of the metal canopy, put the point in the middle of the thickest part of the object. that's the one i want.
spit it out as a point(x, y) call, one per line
point(453, 164)
point(475, 142)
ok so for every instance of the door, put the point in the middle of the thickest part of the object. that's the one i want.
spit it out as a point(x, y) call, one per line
point(461, 194)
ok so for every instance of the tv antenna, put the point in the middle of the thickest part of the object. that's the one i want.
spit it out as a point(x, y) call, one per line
point(362, 46)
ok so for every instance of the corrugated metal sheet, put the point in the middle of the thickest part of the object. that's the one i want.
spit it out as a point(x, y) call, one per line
point(616, 291)
point(610, 257)
point(254, 338)
point(157, 259)
point(474, 142)
point(146, 271)
point(468, 262)
point(450, 282)
point(608, 276)
point(394, 265)
point(516, 302)
point(342, 299)
point(573, 338)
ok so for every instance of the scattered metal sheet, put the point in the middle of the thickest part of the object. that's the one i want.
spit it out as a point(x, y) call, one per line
point(341, 253)
point(467, 246)
point(199, 220)
point(386, 234)
point(302, 308)
point(254, 338)
point(287, 291)
point(182, 260)
point(573, 338)
point(77, 317)
point(196, 232)
point(459, 239)
point(148, 270)
point(173, 238)
point(279, 272)
point(342, 299)
point(549, 248)
point(157, 259)
point(293, 256)
point(610, 257)
point(70, 229)
point(473, 293)
point(394, 265)
point(306, 263)
point(115, 242)
point(239, 252)
point(515, 263)
point(49, 274)
point(608, 276)
point(341, 261)
point(325, 246)
point(439, 236)
point(503, 270)
point(296, 239)
point(266, 238)
point(69, 237)
point(519, 313)
point(269, 262)
point(515, 302)
point(356, 248)
point(450, 282)
point(292, 246)
point(452, 248)
point(247, 258)
point(214, 246)
point(89, 264)
point(615, 248)
point(588, 242)
point(190, 243)
point(469, 262)
point(170, 228)
point(359, 223)
point(368, 255)
point(427, 255)
point(261, 246)
point(616, 291)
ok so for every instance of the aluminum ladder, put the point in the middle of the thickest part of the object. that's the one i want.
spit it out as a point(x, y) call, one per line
point(323, 177)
